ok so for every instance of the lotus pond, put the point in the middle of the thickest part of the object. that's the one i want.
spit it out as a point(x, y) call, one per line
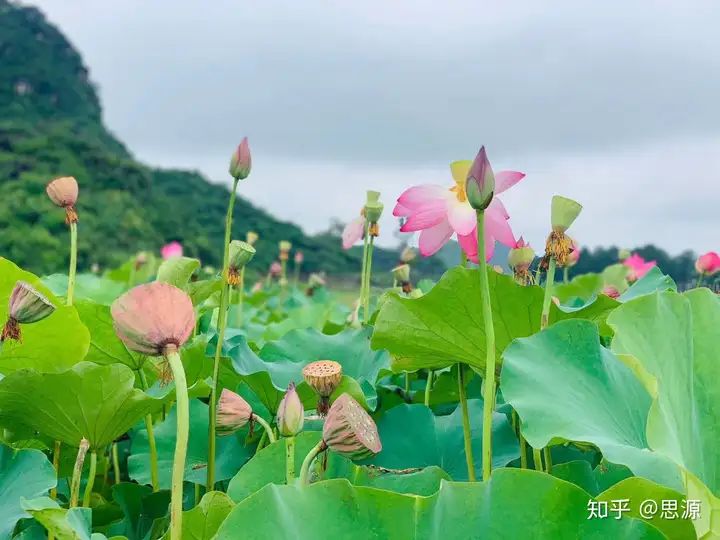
point(166, 399)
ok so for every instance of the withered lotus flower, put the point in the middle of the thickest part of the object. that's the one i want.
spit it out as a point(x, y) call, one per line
point(26, 306)
point(153, 318)
point(233, 413)
point(350, 431)
point(63, 192)
point(323, 376)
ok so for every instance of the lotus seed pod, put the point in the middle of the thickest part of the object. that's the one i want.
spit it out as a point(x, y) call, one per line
point(401, 273)
point(233, 412)
point(241, 161)
point(240, 254)
point(480, 183)
point(350, 431)
point(291, 413)
point(284, 246)
point(408, 255)
point(63, 192)
point(26, 306)
point(563, 213)
point(323, 376)
point(153, 318)
point(251, 237)
point(623, 254)
point(373, 207)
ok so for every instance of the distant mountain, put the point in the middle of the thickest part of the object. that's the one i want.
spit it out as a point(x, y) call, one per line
point(51, 125)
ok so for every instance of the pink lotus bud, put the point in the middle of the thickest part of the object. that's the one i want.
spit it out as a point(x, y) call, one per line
point(611, 291)
point(241, 161)
point(350, 431)
point(233, 412)
point(257, 287)
point(27, 306)
point(153, 318)
point(291, 413)
point(173, 249)
point(480, 183)
point(275, 269)
point(323, 376)
point(63, 192)
point(637, 266)
point(299, 257)
point(708, 264)
point(574, 255)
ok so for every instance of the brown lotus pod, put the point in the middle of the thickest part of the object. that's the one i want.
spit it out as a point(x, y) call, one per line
point(324, 376)
point(350, 431)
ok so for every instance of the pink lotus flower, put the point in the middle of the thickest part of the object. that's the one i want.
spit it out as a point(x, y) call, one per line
point(299, 257)
point(708, 264)
point(173, 249)
point(638, 267)
point(353, 231)
point(275, 269)
point(438, 212)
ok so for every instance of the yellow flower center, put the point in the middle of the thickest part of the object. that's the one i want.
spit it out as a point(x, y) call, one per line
point(459, 190)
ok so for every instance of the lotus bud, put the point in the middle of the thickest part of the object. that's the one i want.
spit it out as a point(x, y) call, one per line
point(239, 254)
point(26, 306)
point(233, 412)
point(373, 211)
point(563, 213)
point(171, 250)
point(480, 183)
point(574, 255)
point(251, 237)
point(350, 431)
point(284, 247)
point(611, 291)
point(408, 255)
point(299, 257)
point(708, 264)
point(63, 192)
point(241, 162)
point(154, 318)
point(623, 254)
point(291, 413)
point(323, 376)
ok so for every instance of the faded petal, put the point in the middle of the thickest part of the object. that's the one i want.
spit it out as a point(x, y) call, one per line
point(63, 191)
point(353, 232)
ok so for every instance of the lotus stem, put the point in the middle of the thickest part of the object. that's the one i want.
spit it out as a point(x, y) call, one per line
point(699, 280)
point(566, 272)
point(116, 463)
point(548, 460)
point(407, 385)
point(241, 298)
point(428, 387)
point(154, 477)
point(368, 275)
point(73, 264)
point(91, 480)
point(537, 459)
point(289, 460)
point(363, 271)
point(312, 454)
point(268, 430)
point(56, 466)
point(77, 472)
point(197, 494)
point(489, 385)
point(463, 258)
point(222, 320)
point(296, 277)
point(549, 280)
point(523, 443)
point(467, 433)
point(183, 428)
point(261, 442)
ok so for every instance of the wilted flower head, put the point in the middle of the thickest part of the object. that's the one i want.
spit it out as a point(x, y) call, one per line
point(350, 431)
point(323, 376)
point(26, 306)
point(291, 413)
point(153, 318)
point(353, 231)
point(173, 249)
point(241, 162)
point(233, 412)
point(408, 255)
point(708, 264)
point(239, 254)
point(63, 192)
point(637, 266)
point(251, 237)
point(480, 182)
point(275, 269)
point(299, 257)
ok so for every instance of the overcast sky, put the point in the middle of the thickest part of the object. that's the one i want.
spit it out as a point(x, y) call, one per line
point(616, 104)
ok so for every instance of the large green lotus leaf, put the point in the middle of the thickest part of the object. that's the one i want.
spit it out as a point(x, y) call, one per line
point(268, 467)
point(126, 271)
point(231, 452)
point(413, 437)
point(105, 346)
point(445, 326)
point(565, 385)
point(177, 271)
point(87, 287)
point(308, 316)
point(96, 402)
point(53, 344)
point(584, 286)
point(513, 504)
point(636, 491)
point(64, 524)
point(651, 282)
point(203, 521)
point(23, 474)
point(594, 481)
point(141, 508)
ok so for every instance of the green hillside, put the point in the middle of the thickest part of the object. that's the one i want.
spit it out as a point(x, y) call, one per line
point(51, 125)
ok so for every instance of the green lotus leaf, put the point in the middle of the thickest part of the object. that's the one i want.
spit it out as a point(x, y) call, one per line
point(53, 344)
point(87, 287)
point(96, 402)
point(651, 282)
point(513, 504)
point(23, 474)
point(203, 521)
point(141, 509)
point(177, 271)
point(594, 481)
point(63, 524)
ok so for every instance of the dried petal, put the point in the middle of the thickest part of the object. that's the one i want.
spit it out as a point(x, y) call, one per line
point(350, 431)
point(233, 412)
point(28, 305)
point(63, 192)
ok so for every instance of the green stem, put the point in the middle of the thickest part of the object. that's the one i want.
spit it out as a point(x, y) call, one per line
point(197, 494)
point(363, 271)
point(312, 454)
point(154, 477)
point(700, 280)
point(521, 439)
point(241, 298)
point(467, 433)
point(368, 275)
point(116, 463)
point(183, 427)
point(566, 272)
point(489, 383)
point(283, 272)
point(56, 466)
point(131, 277)
point(407, 384)
point(73, 264)
point(222, 320)
point(77, 473)
point(549, 280)
point(428, 387)
point(289, 460)
point(537, 459)
point(296, 278)
point(548, 460)
point(463, 258)
point(261, 442)
point(91, 479)
point(268, 430)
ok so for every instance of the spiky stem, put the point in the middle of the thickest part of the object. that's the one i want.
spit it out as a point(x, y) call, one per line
point(489, 383)
point(183, 428)
point(91, 479)
point(312, 454)
point(289, 460)
point(73, 264)
point(467, 433)
point(222, 321)
point(77, 472)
